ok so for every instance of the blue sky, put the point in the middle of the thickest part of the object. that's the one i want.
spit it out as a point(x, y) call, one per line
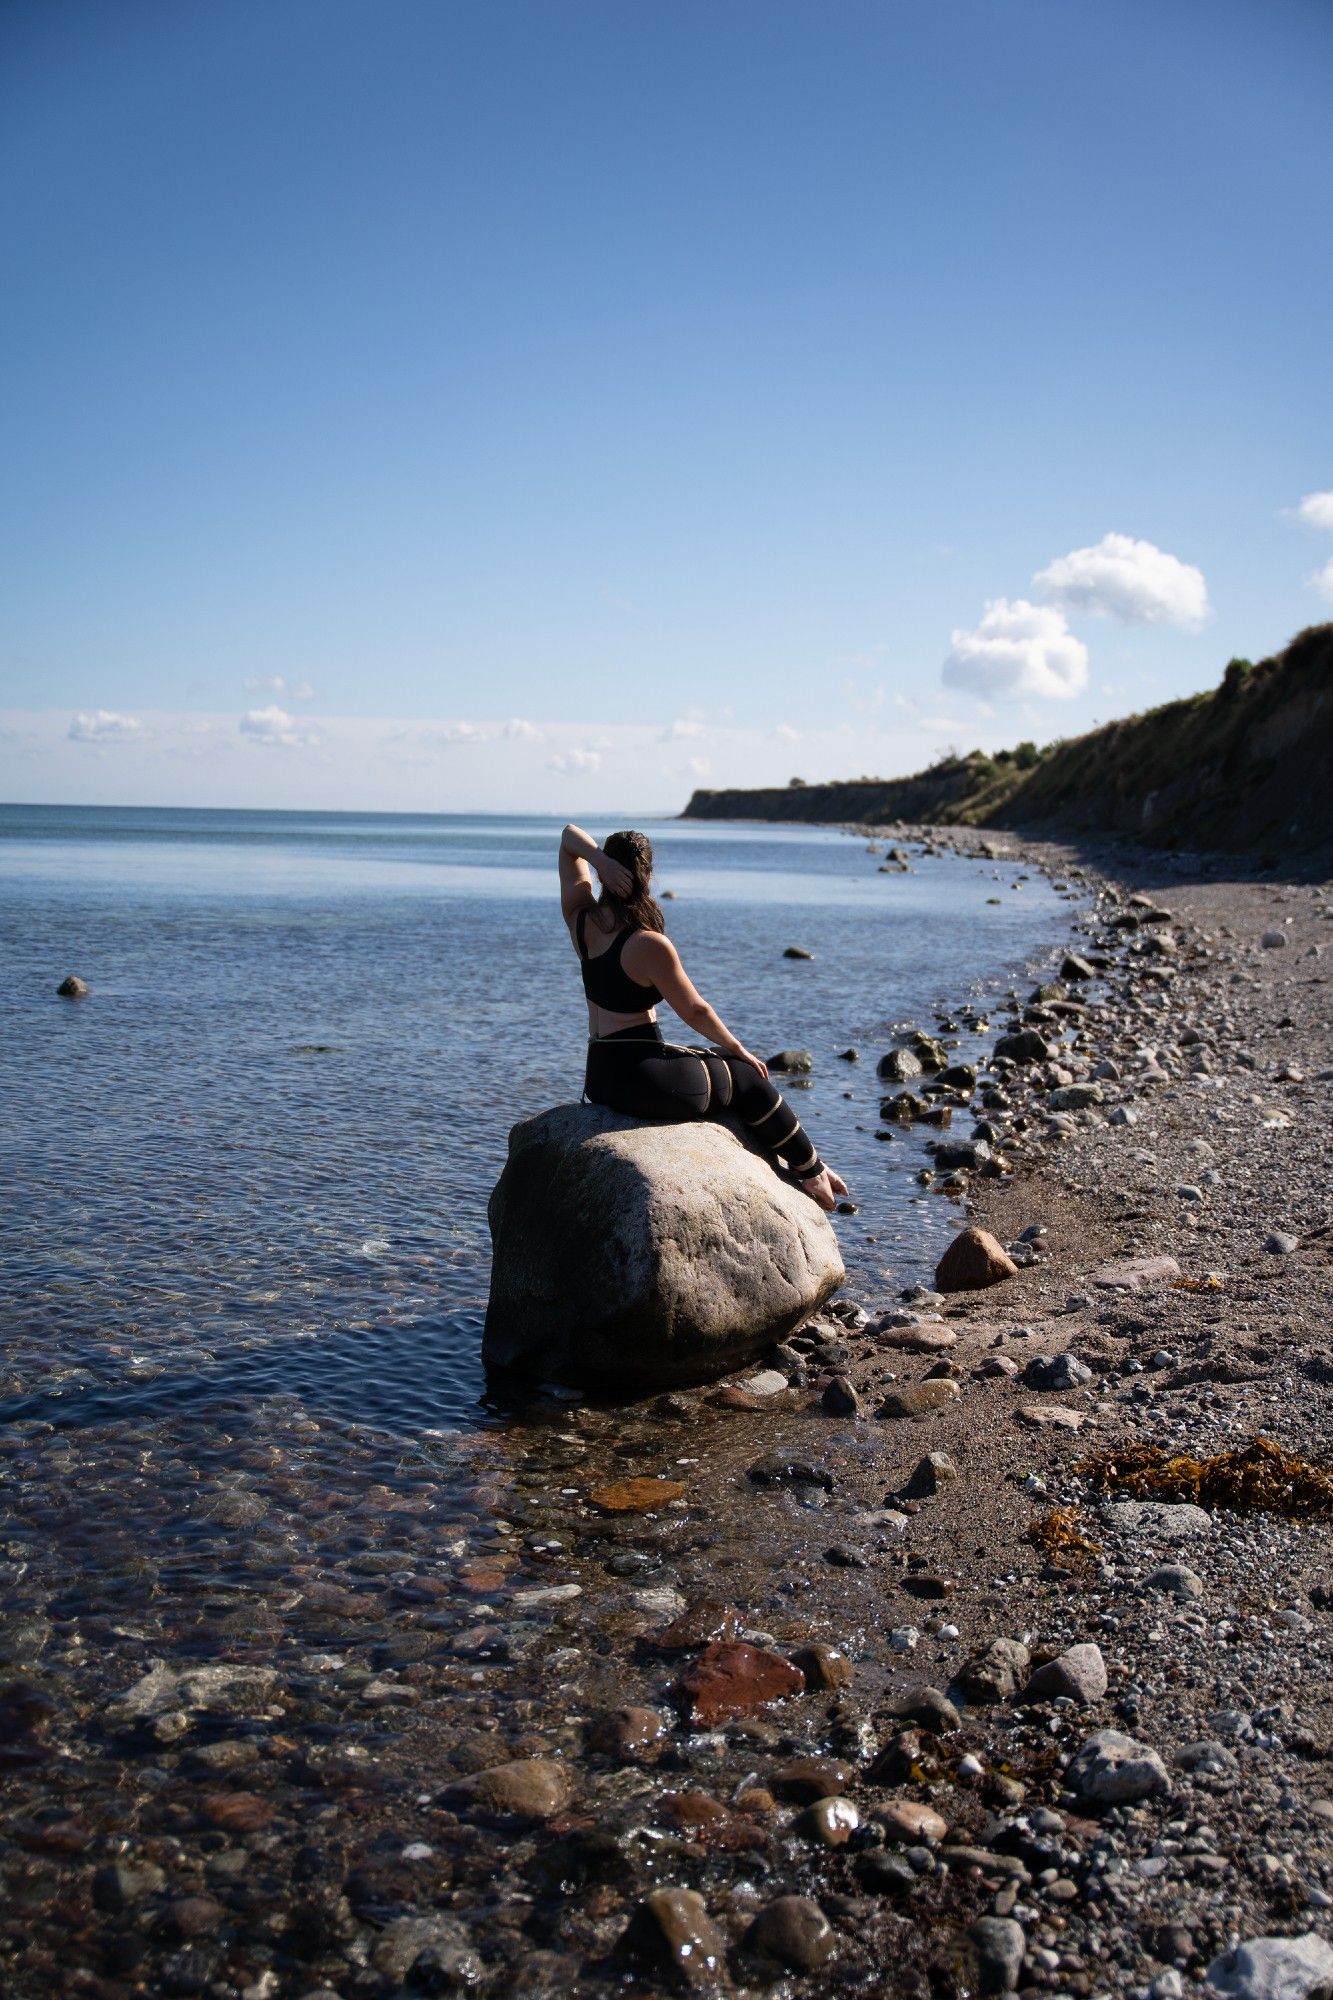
point(675, 384)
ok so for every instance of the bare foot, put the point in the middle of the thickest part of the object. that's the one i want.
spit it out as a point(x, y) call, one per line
point(824, 1188)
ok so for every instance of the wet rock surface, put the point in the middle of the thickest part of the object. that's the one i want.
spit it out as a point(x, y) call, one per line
point(257, 1707)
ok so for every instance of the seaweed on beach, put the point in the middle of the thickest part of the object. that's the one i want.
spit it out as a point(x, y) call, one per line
point(1060, 1537)
point(1258, 1478)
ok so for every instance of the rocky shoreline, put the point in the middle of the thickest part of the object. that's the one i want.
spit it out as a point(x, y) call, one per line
point(754, 1688)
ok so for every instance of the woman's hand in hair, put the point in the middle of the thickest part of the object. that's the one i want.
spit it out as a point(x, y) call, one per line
point(613, 874)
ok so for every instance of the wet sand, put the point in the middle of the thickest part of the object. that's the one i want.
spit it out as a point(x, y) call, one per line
point(294, 1804)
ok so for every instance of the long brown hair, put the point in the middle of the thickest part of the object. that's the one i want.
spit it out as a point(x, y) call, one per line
point(637, 911)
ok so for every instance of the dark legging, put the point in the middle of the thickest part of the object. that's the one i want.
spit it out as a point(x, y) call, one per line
point(636, 1071)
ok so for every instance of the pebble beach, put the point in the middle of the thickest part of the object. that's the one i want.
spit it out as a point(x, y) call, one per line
point(861, 1672)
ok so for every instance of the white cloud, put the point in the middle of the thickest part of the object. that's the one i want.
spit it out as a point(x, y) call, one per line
point(1316, 510)
point(276, 684)
point(273, 726)
point(1018, 648)
point(517, 730)
point(1135, 582)
point(576, 760)
point(785, 733)
point(103, 725)
point(698, 767)
point(1322, 580)
point(684, 726)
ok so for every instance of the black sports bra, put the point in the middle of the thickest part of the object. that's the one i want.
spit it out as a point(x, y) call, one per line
point(605, 980)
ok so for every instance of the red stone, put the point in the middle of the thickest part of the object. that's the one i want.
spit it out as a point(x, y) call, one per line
point(736, 1680)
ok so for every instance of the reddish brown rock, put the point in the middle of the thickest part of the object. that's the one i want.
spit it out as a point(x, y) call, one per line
point(972, 1261)
point(730, 1681)
point(708, 1821)
point(236, 1812)
point(672, 1933)
point(907, 1819)
point(824, 1666)
point(729, 1397)
point(636, 1496)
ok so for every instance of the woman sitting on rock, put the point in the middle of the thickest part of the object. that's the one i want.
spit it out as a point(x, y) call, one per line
point(629, 964)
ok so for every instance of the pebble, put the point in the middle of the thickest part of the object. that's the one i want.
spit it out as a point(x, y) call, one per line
point(768, 1382)
point(930, 1473)
point(1175, 1580)
point(906, 1819)
point(530, 1789)
point(1000, 1947)
point(918, 1399)
point(630, 1734)
point(794, 1931)
point(840, 1398)
point(673, 1933)
point(1056, 1371)
point(1079, 1674)
point(829, 1822)
point(1280, 1244)
point(1114, 1769)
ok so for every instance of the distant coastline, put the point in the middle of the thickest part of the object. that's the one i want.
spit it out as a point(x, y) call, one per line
point(1242, 768)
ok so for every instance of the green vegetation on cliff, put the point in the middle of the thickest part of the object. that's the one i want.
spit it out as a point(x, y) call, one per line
point(1248, 765)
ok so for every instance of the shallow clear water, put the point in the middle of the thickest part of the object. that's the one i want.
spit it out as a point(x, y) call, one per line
point(255, 1161)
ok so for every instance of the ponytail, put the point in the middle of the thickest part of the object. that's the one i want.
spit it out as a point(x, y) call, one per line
point(636, 910)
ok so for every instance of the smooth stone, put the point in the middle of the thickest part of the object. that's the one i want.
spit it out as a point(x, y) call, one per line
point(918, 1399)
point(768, 1382)
point(1112, 1769)
point(792, 1062)
point(794, 1931)
point(974, 1260)
point(1079, 1674)
point(672, 1931)
point(1159, 1520)
point(213, 1690)
point(1132, 1273)
point(733, 1679)
point(840, 1398)
point(782, 1468)
point(1049, 1416)
point(1174, 1580)
point(73, 988)
point(909, 1820)
point(530, 1789)
point(1275, 1968)
point(825, 1667)
point(1001, 1947)
point(829, 1822)
point(931, 1473)
point(646, 1255)
point(810, 1778)
point(1281, 1244)
point(1209, 1763)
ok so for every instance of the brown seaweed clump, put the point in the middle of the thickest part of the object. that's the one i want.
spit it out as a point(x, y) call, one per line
point(1259, 1478)
point(1060, 1537)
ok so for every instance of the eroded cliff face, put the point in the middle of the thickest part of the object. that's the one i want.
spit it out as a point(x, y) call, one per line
point(1247, 768)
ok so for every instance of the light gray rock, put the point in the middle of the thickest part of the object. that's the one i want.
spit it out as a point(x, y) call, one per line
point(1281, 1244)
point(644, 1255)
point(1075, 1097)
point(1134, 1273)
point(1111, 1769)
point(1000, 1947)
point(213, 1690)
point(1158, 1520)
point(1174, 1580)
point(1079, 1674)
point(1275, 1968)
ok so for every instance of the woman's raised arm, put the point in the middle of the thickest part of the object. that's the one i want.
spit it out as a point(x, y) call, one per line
point(579, 856)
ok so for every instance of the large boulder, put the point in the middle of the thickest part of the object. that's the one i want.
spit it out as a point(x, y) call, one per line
point(635, 1255)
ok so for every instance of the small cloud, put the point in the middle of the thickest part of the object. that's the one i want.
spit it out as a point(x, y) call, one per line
point(274, 727)
point(1322, 580)
point(698, 767)
point(1135, 582)
point(264, 684)
point(1018, 648)
point(576, 760)
point(684, 726)
point(1316, 510)
point(303, 692)
point(517, 730)
point(103, 725)
point(785, 733)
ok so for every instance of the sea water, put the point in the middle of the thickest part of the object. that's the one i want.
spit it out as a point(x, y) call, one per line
point(255, 1161)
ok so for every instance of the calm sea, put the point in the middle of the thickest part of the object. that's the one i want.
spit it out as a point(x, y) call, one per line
point(261, 1150)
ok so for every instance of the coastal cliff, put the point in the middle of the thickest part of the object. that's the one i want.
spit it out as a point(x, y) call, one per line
point(1242, 767)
